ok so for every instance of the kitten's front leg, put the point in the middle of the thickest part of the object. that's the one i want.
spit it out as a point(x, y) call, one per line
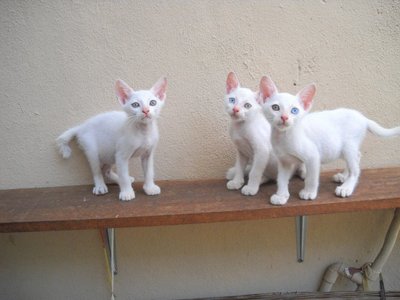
point(285, 172)
point(257, 169)
point(149, 187)
point(124, 181)
point(238, 180)
point(311, 182)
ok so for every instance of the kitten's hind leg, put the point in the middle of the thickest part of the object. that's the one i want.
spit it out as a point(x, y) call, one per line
point(100, 187)
point(301, 171)
point(112, 176)
point(264, 179)
point(352, 157)
point(230, 173)
point(341, 177)
point(238, 180)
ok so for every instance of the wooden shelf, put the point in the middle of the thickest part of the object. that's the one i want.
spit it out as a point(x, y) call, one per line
point(184, 202)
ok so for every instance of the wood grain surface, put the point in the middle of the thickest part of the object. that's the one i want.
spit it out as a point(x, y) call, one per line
point(184, 202)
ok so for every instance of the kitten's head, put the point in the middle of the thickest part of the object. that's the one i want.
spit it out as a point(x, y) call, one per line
point(283, 110)
point(145, 105)
point(240, 103)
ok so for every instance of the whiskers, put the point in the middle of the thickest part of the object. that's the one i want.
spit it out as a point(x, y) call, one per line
point(132, 119)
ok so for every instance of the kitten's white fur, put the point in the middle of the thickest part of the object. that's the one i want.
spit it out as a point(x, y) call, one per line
point(314, 138)
point(114, 137)
point(250, 132)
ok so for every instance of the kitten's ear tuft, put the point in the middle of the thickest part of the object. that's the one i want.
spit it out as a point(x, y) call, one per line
point(267, 89)
point(232, 82)
point(124, 91)
point(306, 95)
point(159, 88)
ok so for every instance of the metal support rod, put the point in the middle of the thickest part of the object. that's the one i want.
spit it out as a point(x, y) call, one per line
point(110, 234)
point(112, 246)
point(301, 232)
point(109, 246)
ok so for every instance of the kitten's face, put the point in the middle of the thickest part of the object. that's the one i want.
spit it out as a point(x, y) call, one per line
point(240, 103)
point(283, 110)
point(142, 106)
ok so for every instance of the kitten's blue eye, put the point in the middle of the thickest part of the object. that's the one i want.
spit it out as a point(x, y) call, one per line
point(295, 110)
point(135, 104)
point(247, 105)
point(153, 103)
point(275, 107)
point(232, 100)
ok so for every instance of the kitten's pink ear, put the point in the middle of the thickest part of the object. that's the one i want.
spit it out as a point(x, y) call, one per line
point(124, 91)
point(159, 88)
point(267, 89)
point(306, 95)
point(232, 82)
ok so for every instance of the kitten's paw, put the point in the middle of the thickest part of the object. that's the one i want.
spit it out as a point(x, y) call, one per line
point(100, 189)
point(234, 184)
point(111, 175)
point(307, 194)
point(339, 178)
point(344, 191)
point(152, 189)
point(127, 195)
point(278, 199)
point(249, 190)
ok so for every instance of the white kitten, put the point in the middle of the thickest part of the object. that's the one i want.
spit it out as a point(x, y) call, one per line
point(314, 138)
point(251, 133)
point(114, 137)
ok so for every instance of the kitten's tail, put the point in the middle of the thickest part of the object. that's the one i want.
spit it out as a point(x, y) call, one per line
point(63, 140)
point(378, 130)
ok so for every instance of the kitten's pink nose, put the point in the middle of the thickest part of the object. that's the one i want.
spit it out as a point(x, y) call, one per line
point(146, 110)
point(284, 118)
point(235, 109)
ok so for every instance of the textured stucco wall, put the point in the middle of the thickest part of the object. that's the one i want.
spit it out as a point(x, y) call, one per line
point(58, 64)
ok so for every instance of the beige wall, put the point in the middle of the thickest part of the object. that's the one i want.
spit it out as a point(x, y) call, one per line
point(58, 64)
